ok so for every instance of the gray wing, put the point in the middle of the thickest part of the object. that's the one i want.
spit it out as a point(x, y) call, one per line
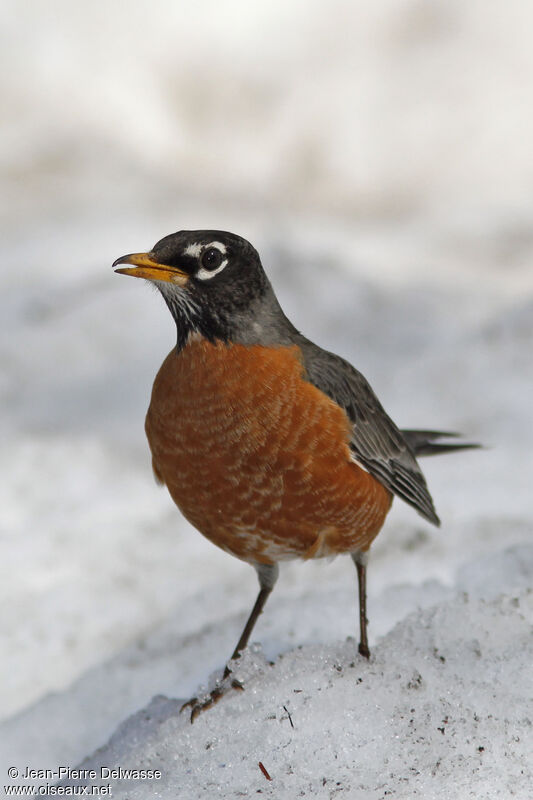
point(376, 441)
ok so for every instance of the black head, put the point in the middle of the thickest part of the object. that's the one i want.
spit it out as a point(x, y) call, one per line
point(212, 281)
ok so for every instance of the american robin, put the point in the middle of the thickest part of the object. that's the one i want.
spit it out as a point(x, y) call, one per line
point(271, 447)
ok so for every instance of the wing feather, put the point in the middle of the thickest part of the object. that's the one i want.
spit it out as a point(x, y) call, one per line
point(376, 441)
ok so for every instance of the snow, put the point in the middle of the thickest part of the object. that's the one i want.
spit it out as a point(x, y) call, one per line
point(438, 711)
point(390, 199)
point(435, 713)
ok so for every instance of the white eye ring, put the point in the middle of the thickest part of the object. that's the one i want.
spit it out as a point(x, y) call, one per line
point(206, 274)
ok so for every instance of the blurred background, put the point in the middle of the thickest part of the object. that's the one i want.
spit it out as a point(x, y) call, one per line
point(379, 157)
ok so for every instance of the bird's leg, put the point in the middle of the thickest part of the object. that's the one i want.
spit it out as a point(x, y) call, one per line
point(360, 560)
point(268, 575)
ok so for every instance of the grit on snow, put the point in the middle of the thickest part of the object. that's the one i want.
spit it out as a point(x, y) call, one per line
point(376, 155)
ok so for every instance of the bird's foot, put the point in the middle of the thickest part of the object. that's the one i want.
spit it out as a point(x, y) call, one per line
point(199, 704)
point(363, 650)
point(246, 666)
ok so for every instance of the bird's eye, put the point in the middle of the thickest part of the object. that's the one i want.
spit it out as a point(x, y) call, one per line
point(212, 258)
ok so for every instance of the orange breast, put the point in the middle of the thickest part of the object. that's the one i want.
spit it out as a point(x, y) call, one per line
point(256, 457)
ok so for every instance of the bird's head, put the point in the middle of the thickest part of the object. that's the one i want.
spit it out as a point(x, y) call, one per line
point(212, 281)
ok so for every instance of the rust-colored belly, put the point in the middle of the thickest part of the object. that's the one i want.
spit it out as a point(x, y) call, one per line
point(256, 457)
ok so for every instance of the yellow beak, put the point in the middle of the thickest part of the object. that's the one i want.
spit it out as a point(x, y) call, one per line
point(146, 266)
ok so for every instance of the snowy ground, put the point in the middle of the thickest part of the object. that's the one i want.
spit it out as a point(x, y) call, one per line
point(397, 230)
point(436, 713)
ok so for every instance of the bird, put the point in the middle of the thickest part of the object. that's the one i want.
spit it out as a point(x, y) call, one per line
point(272, 447)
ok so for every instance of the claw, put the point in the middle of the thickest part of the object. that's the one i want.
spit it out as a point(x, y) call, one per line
point(200, 706)
point(197, 706)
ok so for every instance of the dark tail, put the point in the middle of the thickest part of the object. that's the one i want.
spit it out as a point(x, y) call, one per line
point(423, 443)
